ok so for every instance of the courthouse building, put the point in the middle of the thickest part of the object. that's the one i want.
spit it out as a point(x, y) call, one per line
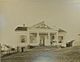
point(40, 35)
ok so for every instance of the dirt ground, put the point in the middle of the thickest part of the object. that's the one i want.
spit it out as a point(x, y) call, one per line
point(71, 54)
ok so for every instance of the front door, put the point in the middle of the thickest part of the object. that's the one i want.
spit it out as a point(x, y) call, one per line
point(22, 49)
point(42, 40)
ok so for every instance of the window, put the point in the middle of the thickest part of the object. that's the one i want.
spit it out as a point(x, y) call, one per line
point(60, 41)
point(23, 39)
point(33, 37)
point(53, 37)
point(60, 38)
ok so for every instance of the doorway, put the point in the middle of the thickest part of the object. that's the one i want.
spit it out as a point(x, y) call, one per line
point(42, 40)
point(22, 49)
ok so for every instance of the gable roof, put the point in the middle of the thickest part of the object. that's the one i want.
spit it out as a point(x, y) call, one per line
point(21, 28)
point(61, 30)
point(41, 25)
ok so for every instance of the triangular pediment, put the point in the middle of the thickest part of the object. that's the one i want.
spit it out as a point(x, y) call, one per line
point(41, 25)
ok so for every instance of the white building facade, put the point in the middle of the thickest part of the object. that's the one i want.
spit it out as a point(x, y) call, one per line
point(40, 35)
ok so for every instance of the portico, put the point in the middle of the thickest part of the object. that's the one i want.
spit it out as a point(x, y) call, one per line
point(41, 38)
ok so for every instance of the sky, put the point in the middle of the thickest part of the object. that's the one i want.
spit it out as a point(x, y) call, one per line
point(64, 14)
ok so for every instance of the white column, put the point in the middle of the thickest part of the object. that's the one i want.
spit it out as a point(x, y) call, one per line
point(57, 37)
point(49, 39)
point(38, 38)
point(28, 38)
